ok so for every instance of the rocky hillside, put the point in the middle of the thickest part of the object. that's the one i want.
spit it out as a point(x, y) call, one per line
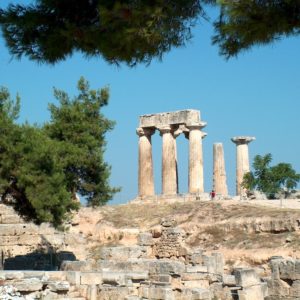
point(247, 233)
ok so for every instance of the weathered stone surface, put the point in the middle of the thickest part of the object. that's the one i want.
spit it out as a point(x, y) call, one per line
point(195, 294)
point(146, 182)
point(250, 293)
point(242, 159)
point(145, 239)
point(122, 253)
point(157, 293)
point(28, 285)
point(278, 288)
point(229, 280)
point(91, 278)
point(219, 174)
point(59, 286)
point(188, 117)
point(115, 293)
point(76, 266)
point(11, 275)
point(246, 277)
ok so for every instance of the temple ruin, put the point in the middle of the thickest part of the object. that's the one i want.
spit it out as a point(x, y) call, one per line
point(170, 125)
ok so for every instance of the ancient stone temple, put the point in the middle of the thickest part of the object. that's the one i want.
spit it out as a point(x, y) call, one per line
point(242, 159)
point(170, 125)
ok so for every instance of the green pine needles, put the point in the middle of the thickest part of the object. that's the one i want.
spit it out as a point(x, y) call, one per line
point(42, 168)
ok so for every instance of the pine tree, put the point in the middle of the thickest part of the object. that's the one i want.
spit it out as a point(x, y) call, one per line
point(42, 168)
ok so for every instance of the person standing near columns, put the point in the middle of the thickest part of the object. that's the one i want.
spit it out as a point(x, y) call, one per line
point(145, 173)
point(195, 135)
point(242, 159)
point(219, 178)
point(169, 173)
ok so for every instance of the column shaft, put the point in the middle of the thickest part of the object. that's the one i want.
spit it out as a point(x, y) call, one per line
point(242, 165)
point(242, 159)
point(146, 182)
point(169, 173)
point(219, 178)
point(196, 183)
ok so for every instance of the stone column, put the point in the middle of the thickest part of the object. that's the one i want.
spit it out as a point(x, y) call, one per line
point(195, 135)
point(219, 177)
point(146, 182)
point(169, 173)
point(242, 159)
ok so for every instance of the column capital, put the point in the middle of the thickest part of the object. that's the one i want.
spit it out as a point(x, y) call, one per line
point(241, 140)
point(167, 129)
point(145, 131)
point(196, 126)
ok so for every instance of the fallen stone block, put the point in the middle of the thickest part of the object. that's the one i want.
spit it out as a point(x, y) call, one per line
point(165, 267)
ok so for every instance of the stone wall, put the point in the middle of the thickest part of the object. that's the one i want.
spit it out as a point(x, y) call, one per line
point(26, 246)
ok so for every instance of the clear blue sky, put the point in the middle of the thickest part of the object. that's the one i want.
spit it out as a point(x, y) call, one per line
point(256, 94)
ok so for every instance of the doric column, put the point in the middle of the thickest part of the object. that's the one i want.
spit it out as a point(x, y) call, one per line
point(169, 173)
point(195, 135)
point(146, 182)
point(242, 159)
point(219, 178)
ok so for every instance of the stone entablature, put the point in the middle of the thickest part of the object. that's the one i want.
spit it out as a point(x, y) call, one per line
point(170, 125)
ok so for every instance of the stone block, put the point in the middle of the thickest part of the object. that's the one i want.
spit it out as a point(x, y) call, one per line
point(246, 277)
point(197, 268)
point(55, 275)
point(12, 275)
point(278, 288)
point(295, 289)
point(188, 117)
point(161, 279)
point(34, 274)
point(195, 294)
point(10, 219)
point(28, 285)
point(145, 239)
point(73, 277)
point(211, 263)
point(166, 267)
point(7, 229)
point(157, 293)
point(229, 280)
point(90, 278)
point(219, 263)
point(122, 253)
point(251, 293)
point(114, 278)
point(115, 292)
point(196, 258)
point(203, 284)
point(59, 286)
point(68, 265)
